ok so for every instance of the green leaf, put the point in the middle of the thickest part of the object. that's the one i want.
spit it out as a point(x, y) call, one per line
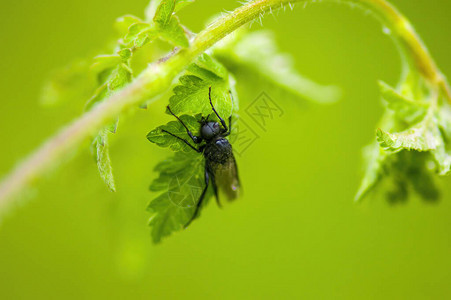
point(145, 38)
point(125, 53)
point(374, 158)
point(204, 64)
point(181, 180)
point(420, 138)
point(164, 12)
point(123, 24)
point(105, 62)
point(102, 156)
point(163, 139)
point(138, 35)
point(256, 54)
point(168, 25)
point(414, 145)
point(180, 4)
point(191, 95)
point(405, 108)
point(166, 9)
point(442, 155)
point(134, 32)
point(409, 171)
point(174, 33)
point(120, 76)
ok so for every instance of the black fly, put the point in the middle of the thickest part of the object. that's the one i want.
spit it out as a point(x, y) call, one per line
point(220, 164)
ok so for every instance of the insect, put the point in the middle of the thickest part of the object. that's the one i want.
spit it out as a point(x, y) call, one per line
point(220, 165)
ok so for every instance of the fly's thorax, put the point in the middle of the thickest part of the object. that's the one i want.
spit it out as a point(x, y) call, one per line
point(218, 150)
point(210, 130)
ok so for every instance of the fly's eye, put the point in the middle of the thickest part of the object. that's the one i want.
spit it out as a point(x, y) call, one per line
point(210, 130)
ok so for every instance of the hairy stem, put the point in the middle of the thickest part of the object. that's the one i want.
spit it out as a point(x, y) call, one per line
point(159, 76)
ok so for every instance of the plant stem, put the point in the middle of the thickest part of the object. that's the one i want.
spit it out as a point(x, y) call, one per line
point(159, 76)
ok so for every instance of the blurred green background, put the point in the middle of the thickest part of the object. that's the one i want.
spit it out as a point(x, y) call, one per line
point(295, 233)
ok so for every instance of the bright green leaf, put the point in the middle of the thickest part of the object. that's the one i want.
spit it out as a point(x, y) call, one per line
point(123, 23)
point(134, 31)
point(125, 53)
point(174, 33)
point(102, 156)
point(121, 76)
point(164, 12)
point(374, 158)
point(104, 62)
point(180, 4)
point(191, 95)
point(406, 109)
point(163, 139)
point(419, 138)
point(415, 142)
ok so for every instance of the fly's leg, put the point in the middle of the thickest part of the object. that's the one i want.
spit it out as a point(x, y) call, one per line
point(215, 189)
point(183, 140)
point(230, 127)
point(196, 139)
point(201, 198)
point(223, 123)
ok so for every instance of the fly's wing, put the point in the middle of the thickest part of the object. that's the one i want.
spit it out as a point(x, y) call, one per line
point(226, 178)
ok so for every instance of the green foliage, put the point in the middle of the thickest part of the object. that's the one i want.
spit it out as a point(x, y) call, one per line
point(190, 100)
point(168, 25)
point(106, 74)
point(405, 109)
point(162, 139)
point(119, 76)
point(100, 149)
point(412, 141)
point(180, 184)
point(191, 95)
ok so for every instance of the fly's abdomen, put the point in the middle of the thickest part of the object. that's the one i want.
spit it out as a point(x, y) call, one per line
point(218, 151)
